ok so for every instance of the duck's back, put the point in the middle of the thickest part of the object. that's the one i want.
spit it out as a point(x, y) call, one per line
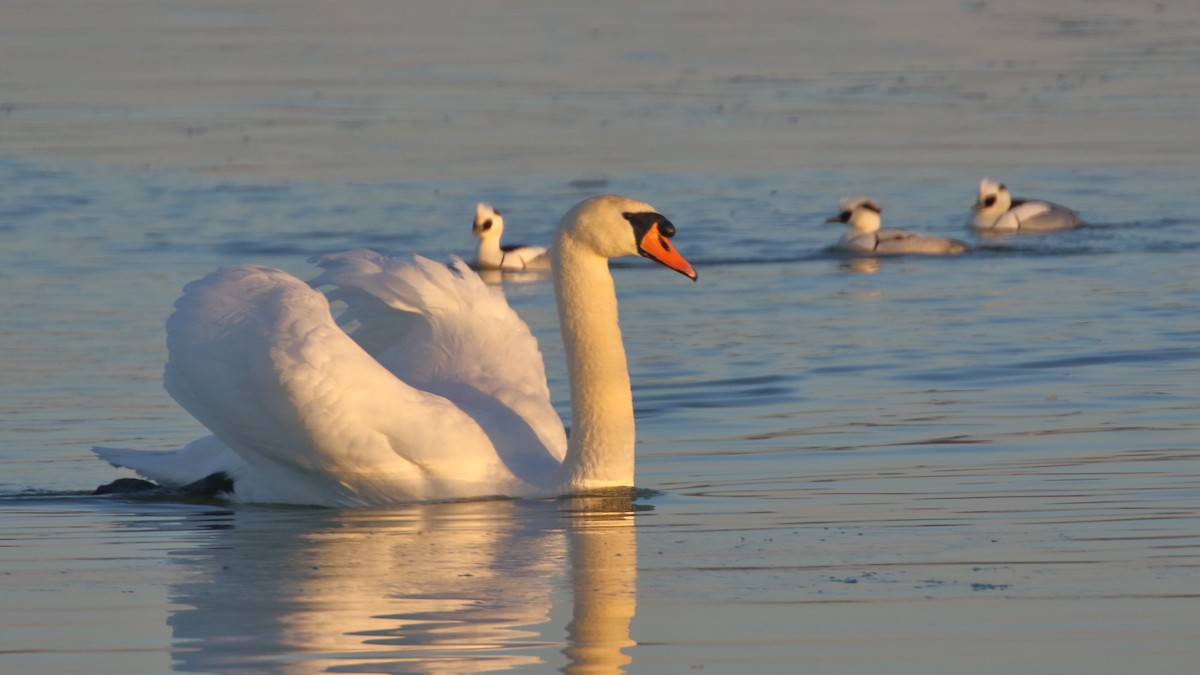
point(1035, 215)
point(904, 241)
point(890, 241)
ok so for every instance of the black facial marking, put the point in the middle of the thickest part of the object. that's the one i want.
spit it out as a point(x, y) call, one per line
point(872, 206)
point(487, 224)
point(642, 222)
point(843, 217)
point(991, 199)
point(1002, 186)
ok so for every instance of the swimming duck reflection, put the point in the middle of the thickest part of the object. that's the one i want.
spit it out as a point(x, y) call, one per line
point(860, 265)
point(434, 588)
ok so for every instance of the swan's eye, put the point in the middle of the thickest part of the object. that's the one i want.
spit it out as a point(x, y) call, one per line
point(644, 222)
point(487, 224)
point(844, 216)
point(991, 199)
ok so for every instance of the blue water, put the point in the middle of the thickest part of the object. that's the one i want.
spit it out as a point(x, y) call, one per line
point(1009, 428)
point(987, 463)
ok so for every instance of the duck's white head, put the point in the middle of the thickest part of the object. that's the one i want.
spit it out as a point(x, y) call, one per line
point(612, 226)
point(994, 198)
point(860, 213)
point(489, 224)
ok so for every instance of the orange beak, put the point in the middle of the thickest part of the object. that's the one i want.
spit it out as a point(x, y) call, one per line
point(656, 247)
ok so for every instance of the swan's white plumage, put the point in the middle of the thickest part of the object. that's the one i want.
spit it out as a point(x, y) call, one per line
point(443, 330)
point(426, 386)
point(256, 356)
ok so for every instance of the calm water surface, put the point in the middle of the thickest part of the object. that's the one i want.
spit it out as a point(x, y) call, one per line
point(987, 463)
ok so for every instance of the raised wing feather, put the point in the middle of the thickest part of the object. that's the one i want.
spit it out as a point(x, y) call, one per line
point(442, 329)
point(441, 392)
point(255, 356)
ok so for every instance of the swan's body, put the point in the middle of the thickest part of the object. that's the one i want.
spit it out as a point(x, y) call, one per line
point(435, 389)
point(490, 255)
point(867, 236)
point(997, 211)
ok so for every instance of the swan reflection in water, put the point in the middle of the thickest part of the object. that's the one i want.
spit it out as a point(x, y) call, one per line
point(433, 588)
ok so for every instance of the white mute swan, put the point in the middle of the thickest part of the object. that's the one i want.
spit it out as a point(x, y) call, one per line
point(436, 389)
point(867, 236)
point(490, 255)
point(997, 211)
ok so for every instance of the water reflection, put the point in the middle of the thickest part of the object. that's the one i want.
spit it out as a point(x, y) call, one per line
point(861, 265)
point(438, 588)
point(604, 588)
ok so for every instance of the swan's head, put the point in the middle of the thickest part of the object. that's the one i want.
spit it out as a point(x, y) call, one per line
point(993, 198)
point(489, 224)
point(859, 213)
point(612, 227)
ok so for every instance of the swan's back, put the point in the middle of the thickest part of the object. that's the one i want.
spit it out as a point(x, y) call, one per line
point(439, 400)
point(254, 355)
point(444, 330)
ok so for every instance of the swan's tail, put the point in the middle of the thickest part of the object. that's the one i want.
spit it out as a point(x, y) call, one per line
point(175, 468)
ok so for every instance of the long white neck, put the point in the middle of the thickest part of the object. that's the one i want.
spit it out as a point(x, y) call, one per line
point(600, 449)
